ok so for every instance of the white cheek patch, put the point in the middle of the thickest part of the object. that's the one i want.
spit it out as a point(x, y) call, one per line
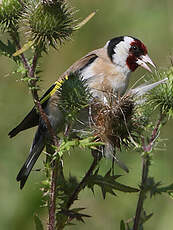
point(121, 53)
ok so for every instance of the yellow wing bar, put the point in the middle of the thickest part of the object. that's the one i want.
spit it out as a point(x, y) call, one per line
point(57, 85)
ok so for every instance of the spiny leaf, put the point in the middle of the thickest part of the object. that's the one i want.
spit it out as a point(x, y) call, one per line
point(144, 217)
point(147, 217)
point(166, 189)
point(66, 145)
point(74, 214)
point(155, 187)
point(108, 184)
point(65, 187)
point(90, 142)
point(38, 223)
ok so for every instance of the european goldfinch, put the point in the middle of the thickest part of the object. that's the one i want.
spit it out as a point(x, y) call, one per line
point(105, 70)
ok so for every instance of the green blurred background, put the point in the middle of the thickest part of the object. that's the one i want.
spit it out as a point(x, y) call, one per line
point(150, 21)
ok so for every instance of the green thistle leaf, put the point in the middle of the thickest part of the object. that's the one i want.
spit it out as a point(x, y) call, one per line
point(108, 184)
point(73, 214)
point(67, 145)
point(155, 188)
point(146, 217)
point(166, 189)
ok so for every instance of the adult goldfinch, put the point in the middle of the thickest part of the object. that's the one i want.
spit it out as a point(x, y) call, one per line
point(105, 70)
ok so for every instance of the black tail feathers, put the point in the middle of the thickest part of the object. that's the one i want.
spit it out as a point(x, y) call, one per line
point(22, 176)
point(36, 149)
point(26, 169)
point(14, 132)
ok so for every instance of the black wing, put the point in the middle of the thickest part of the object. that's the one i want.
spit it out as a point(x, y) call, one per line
point(32, 118)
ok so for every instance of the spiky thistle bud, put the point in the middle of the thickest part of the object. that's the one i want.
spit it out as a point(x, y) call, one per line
point(74, 96)
point(47, 22)
point(161, 97)
point(9, 14)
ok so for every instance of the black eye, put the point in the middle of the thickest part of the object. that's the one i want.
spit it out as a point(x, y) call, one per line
point(134, 48)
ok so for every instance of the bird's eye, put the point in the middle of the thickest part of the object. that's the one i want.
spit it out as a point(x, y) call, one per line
point(134, 48)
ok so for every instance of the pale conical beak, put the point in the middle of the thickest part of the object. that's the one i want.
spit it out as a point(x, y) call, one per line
point(142, 60)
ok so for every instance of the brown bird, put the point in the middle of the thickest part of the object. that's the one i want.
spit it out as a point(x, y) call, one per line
point(105, 70)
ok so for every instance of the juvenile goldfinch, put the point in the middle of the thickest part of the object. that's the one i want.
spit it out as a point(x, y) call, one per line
point(105, 70)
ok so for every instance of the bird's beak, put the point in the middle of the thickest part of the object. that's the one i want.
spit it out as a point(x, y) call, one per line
point(142, 60)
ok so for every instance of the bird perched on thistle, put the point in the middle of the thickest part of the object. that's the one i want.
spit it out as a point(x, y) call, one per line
point(104, 70)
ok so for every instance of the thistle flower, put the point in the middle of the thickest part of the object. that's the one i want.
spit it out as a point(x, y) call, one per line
point(47, 22)
point(9, 14)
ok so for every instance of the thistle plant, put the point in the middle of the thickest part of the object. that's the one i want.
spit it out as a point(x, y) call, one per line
point(162, 96)
point(55, 26)
point(9, 15)
point(124, 123)
point(74, 96)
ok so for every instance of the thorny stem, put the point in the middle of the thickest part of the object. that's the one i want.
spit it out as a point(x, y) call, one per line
point(57, 166)
point(145, 170)
point(52, 199)
point(15, 37)
point(57, 169)
point(97, 157)
point(31, 73)
point(148, 148)
point(142, 195)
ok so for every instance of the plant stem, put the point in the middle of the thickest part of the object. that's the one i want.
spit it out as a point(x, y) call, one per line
point(53, 185)
point(145, 170)
point(52, 197)
point(15, 36)
point(54, 176)
point(31, 73)
point(52, 201)
point(97, 157)
point(32, 83)
point(142, 195)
